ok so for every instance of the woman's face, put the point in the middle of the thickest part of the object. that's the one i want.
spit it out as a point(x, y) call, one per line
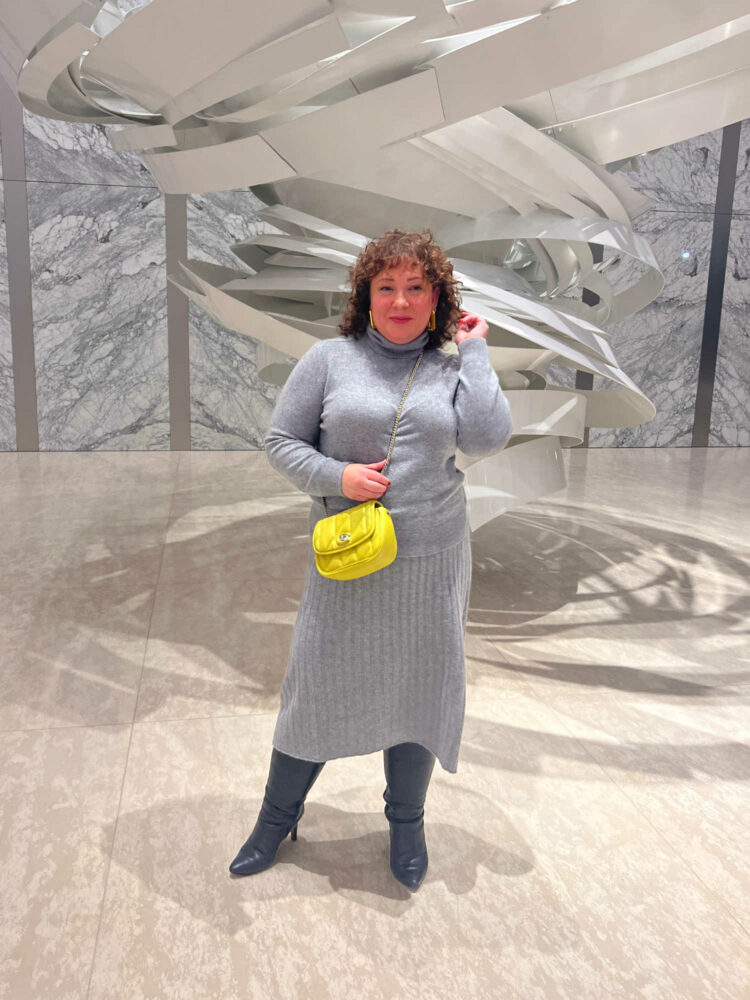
point(401, 300)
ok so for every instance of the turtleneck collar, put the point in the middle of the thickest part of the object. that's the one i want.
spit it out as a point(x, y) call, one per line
point(384, 346)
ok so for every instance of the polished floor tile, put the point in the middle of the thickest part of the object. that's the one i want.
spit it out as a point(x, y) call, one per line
point(224, 613)
point(76, 599)
point(679, 749)
point(525, 847)
point(592, 844)
point(59, 796)
point(94, 486)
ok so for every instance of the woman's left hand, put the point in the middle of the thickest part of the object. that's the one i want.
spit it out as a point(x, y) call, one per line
point(471, 325)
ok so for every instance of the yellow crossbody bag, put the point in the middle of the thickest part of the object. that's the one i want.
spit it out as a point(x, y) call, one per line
point(360, 539)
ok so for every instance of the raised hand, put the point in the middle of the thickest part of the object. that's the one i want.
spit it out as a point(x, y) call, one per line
point(471, 325)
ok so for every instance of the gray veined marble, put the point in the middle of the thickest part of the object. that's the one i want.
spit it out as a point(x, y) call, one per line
point(730, 407)
point(221, 218)
point(660, 345)
point(77, 152)
point(7, 409)
point(681, 177)
point(741, 204)
point(99, 300)
point(230, 405)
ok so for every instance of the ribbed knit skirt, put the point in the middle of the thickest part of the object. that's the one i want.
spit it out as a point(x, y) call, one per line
point(379, 660)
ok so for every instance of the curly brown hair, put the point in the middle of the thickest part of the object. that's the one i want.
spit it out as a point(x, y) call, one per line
point(387, 251)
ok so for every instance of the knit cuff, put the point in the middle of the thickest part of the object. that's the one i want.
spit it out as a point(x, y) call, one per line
point(328, 477)
point(471, 345)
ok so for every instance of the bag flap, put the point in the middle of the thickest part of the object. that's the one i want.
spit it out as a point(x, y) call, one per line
point(342, 531)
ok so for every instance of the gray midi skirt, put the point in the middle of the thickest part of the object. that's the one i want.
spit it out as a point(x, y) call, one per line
point(379, 660)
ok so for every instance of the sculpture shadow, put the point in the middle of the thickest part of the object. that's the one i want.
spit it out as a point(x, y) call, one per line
point(228, 591)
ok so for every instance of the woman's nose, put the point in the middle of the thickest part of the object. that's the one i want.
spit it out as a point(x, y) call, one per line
point(401, 297)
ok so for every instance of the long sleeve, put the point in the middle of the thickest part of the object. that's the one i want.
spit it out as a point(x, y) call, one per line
point(295, 426)
point(482, 411)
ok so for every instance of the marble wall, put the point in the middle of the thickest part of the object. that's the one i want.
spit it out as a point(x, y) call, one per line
point(730, 410)
point(7, 406)
point(660, 346)
point(97, 242)
point(230, 407)
point(96, 227)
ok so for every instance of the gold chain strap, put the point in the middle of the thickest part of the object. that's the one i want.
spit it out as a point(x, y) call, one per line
point(395, 426)
point(398, 415)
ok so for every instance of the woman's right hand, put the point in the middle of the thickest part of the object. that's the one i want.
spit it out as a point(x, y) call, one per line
point(364, 482)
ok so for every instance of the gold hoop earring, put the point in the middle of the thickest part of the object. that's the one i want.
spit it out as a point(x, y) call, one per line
point(431, 324)
point(372, 321)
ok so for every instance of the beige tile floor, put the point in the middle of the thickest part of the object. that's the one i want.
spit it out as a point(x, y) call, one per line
point(594, 843)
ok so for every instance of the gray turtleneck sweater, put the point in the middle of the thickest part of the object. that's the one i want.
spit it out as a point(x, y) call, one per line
point(339, 405)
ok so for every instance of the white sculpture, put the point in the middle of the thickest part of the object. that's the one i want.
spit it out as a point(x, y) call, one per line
point(487, 120)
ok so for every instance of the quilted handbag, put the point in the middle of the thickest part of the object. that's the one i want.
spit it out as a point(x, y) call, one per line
point(361, 539)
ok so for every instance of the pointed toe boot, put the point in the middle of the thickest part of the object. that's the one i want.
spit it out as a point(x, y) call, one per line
point(289, 781)
point(408, 768)
point(408, 854)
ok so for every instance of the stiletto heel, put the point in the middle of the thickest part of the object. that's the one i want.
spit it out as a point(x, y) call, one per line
point(294, 832)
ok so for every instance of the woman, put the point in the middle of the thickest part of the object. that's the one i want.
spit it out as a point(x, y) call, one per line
point(378, 662)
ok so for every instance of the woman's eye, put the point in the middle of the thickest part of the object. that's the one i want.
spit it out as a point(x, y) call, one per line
point(389, 288)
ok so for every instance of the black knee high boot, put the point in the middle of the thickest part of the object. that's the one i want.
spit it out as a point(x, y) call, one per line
point(289, 781)
point(408, 768)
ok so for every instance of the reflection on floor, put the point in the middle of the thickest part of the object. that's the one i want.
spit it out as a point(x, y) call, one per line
point(593, 844)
